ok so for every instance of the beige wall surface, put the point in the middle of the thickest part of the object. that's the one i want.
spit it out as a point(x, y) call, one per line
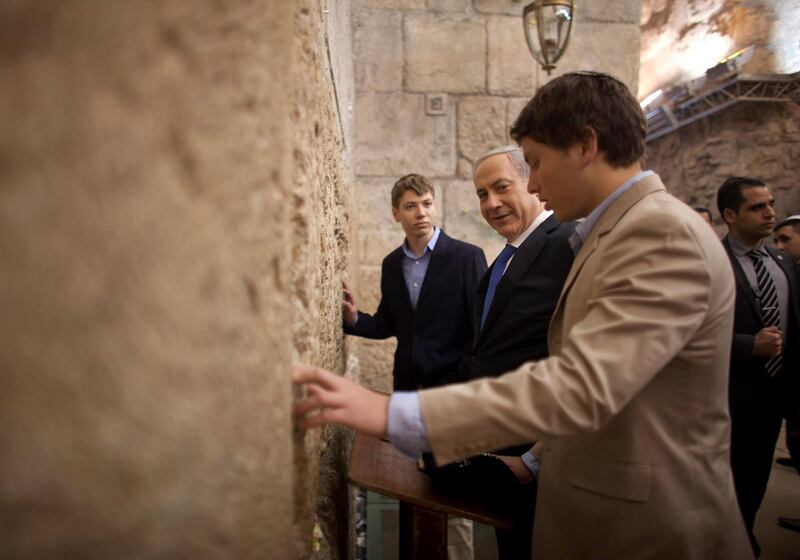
point(319, 205)
point(173, 226)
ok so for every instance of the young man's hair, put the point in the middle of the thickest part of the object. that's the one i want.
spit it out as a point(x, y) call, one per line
point(411, 182)
point(704, 210)
point(730, 194)
point(563, 110)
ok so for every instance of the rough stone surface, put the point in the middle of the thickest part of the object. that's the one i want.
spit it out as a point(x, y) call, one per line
point(395, 136)
point(514, 107)
point(376, 359)
point(374, 200)
point(438, 6)
point(377, 244)
point(616, 11)
point(682, 39)
point(512, 70)
point(379, 42)
point(392, 4)
point(321, 233)
point(340, 48)
point(603, 47)
point(145, 402)
point(481, 126)
point(506, 7)
point(755, 140)
point(173, 227)
point(609, 11)
point(445, 53)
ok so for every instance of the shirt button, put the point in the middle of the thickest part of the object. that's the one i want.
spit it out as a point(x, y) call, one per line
point(416, 262)
point(415, 284)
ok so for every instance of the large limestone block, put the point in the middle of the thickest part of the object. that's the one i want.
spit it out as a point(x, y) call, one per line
point(373, 209)
point(445, 53)
point(481, 125)
point(514, 107)
point(391, 4)
point(375, 245)
point(368, 288)
point(395, 136)
point(464, 220)
point(623, 11)
point(612, 48)
point(449, 5)
point(378, 51)
point(145, 409)
point(613, 11)
point(375, 361)
point(512, 69)
point(506, 7)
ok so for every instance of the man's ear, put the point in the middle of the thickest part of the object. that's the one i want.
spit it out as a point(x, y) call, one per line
point(588, 146)
point(728, 215)
point(395, 214)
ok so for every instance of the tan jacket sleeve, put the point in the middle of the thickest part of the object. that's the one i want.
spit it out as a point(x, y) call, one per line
point(645, 298)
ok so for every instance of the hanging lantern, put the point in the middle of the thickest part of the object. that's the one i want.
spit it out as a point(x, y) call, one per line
point(547, 25)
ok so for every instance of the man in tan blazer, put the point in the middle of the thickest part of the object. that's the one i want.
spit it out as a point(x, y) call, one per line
point(631, 407)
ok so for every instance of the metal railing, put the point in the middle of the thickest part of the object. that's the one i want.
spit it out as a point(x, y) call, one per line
point(684, 107)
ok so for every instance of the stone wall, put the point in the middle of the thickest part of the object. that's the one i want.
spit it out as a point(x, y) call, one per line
point(685, 37)
point(321, 233)
point(174, 222)
point(439, 82)
point(681, 39)
point(752, 140)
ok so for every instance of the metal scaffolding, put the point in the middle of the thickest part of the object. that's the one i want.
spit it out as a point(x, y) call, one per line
point(683, 107)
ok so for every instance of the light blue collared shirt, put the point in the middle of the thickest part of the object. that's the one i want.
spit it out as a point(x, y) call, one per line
point(582, 230)
point(415, 268)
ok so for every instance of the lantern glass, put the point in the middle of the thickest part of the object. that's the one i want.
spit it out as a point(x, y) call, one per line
point(547, 26)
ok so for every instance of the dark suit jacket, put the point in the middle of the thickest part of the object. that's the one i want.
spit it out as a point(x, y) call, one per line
point(516, 326)
point(747, 371)
point(433, 340)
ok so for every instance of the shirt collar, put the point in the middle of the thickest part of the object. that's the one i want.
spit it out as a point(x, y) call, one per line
point(740, 249)
point(429, 247)
point(582, 231)
point(531, 228)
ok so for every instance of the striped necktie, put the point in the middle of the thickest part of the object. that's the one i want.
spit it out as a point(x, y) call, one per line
point(768, 299)
point(498, 269)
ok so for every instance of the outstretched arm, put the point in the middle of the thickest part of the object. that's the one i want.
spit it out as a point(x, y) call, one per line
point(332, 399)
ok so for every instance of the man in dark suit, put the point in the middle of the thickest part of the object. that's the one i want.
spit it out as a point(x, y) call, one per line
point(764, 354)
point(427, 286)
point(513, 306)
point(427, 289)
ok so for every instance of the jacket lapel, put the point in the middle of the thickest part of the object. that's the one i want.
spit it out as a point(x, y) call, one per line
point(607, 221)
point(522, 261)
point(397, 279)
point(742, 283)
point(435, 266)
point(477, 308)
